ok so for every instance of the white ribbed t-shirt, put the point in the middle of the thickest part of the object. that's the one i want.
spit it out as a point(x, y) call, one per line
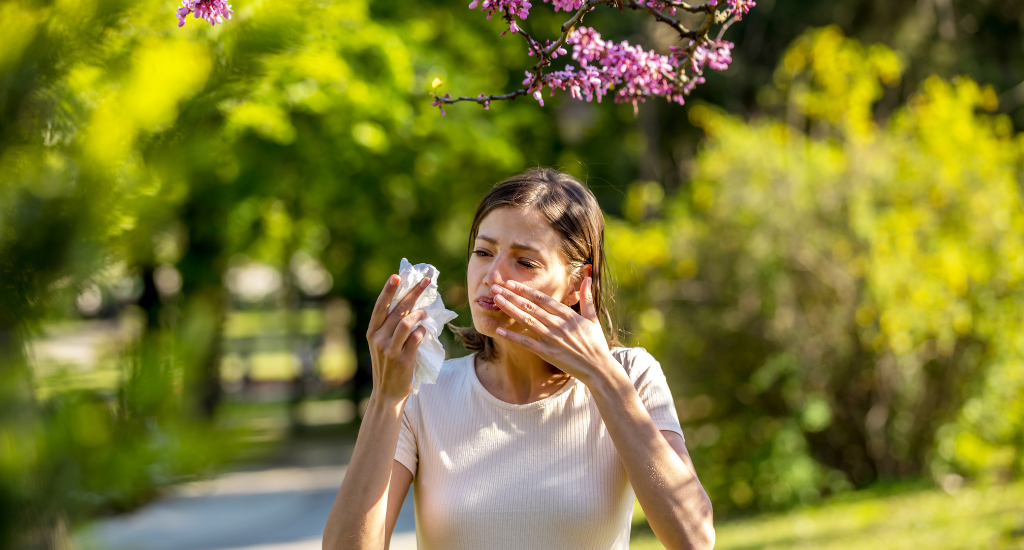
point(494, 475)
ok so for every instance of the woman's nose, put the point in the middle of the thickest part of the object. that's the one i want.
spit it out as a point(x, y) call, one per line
point(496, 274)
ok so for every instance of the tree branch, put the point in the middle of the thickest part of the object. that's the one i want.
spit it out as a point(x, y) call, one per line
point(632, 72)
point(684, 33)
point(538, 68)
point(703, 8)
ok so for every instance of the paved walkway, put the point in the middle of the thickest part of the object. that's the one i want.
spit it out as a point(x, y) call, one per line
point(277, 507)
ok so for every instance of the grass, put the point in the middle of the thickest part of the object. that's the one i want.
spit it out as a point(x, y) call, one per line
point(904, 518)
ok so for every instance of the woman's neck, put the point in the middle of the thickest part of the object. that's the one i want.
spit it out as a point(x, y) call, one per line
point(518, 376)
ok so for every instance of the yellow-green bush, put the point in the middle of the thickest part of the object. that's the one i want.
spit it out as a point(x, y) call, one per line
point(857, 289)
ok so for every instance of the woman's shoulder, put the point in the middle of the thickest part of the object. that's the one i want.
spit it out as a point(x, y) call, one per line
point(636, 361)
point(457, 366)
point(453, 372)
point(463, 359)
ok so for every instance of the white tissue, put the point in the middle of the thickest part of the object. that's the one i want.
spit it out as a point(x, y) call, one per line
point(430, 355)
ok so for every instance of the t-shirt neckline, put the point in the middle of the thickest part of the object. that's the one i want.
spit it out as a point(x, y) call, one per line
point(480, 389)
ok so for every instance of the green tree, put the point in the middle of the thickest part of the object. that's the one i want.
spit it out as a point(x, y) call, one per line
point(128, 141)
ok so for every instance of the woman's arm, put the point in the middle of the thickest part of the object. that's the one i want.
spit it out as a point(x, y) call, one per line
point(367, 505)
point(657, 463)
point(401, 479)
point(663, 478)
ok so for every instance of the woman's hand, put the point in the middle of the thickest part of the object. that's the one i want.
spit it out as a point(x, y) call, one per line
point(375, 485)
point(393, 342)
point(573, 342)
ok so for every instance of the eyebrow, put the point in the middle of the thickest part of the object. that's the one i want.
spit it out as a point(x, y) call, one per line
point(514, 245)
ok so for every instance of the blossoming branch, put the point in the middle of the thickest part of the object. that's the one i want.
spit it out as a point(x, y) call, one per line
point(630, 73)
point(213, 11)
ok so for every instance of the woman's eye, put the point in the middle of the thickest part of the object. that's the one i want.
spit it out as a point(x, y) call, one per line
point(527, 265)
point(480, 253)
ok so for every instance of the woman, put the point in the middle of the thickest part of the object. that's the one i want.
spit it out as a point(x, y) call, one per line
point(540, 437)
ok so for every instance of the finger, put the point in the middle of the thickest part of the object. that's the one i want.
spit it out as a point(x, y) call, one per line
point(404, 306)
point(524, 304)
point(588, 307)
point(380, 309)
point(521, 317)
point(538, 297)
point(412, 344)
point(519, 339)
point(402, 331)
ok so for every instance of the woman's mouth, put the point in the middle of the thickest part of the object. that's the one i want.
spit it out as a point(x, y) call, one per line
point(487, 304)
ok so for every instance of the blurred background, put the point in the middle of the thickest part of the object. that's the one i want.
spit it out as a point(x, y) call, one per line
point(824, 248)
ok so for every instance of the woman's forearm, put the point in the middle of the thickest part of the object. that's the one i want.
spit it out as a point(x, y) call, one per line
point(676, 505)
point(358, 517)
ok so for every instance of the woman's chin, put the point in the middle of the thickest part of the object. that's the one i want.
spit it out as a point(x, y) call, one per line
point(487, 323)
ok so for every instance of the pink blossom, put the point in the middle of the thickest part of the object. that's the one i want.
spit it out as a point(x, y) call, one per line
point(213, 11)
point(633, 72)
point(630, 73)
point(509, 8)
point(716, 54)
point(740, 7)
point(519, 8)
point(567, 5)
point(439, 104)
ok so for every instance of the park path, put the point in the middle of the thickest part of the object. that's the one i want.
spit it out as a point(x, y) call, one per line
point(278, 506)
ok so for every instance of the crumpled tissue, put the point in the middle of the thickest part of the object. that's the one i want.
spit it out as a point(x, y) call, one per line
point(430, 355)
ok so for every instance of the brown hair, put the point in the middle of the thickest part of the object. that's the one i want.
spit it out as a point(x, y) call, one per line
point(573, 212)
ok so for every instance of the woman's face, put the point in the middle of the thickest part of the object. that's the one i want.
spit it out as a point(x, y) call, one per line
point(515, 244)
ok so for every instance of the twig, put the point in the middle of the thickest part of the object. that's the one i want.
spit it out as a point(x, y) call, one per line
point(538, 68)
point(684, 33)
point(725, 27)
point(703, 8)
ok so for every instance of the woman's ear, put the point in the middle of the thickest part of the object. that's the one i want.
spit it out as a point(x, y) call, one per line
point(573, 297)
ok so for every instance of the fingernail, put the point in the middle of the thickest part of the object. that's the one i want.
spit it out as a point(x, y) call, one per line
point(501, 332)
point(496, 289)
point(425, 282)
point(393, 280)
point(511, 285)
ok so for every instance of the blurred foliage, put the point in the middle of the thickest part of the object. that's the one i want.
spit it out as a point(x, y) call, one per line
point(842, 298)
point(297, 131)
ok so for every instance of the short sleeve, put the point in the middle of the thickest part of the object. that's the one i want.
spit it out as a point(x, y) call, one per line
point(407, 453)
point(650, 382)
